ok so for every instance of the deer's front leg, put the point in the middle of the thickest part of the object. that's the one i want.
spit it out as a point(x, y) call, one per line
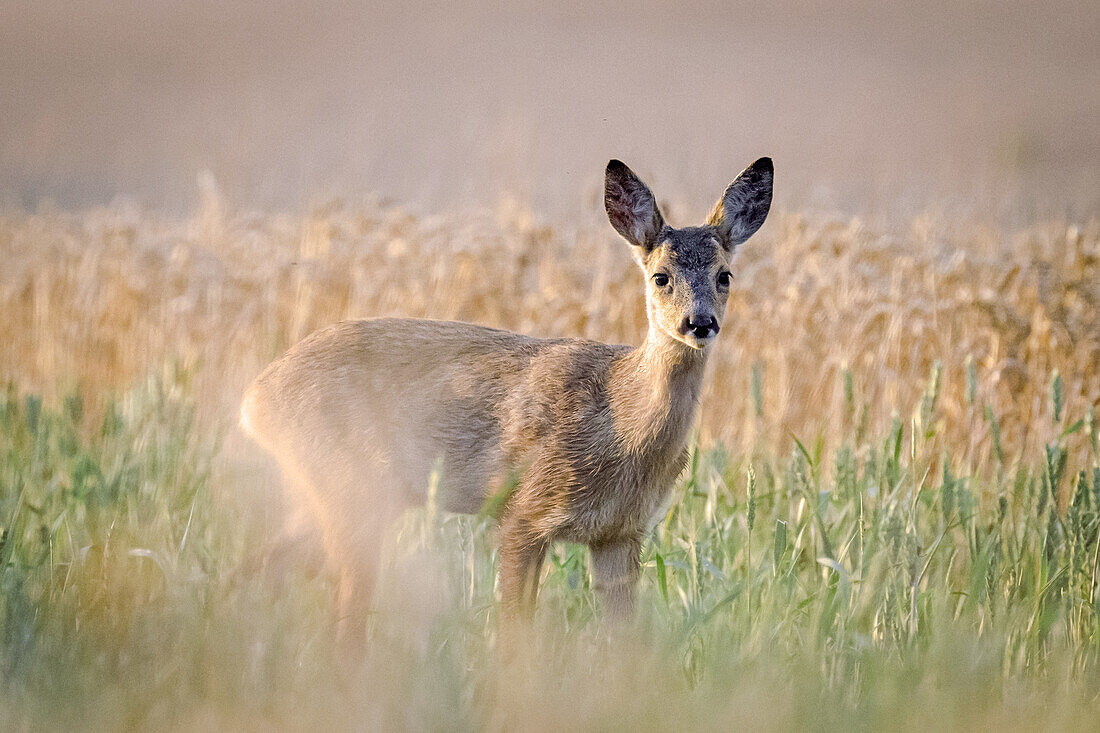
point(615, 570)
point(522, 550)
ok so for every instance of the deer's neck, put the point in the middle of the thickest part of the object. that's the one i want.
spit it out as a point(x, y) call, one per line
point(654, 395)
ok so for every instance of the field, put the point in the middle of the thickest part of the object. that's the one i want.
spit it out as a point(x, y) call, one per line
point(891, 515)
point(890, 519)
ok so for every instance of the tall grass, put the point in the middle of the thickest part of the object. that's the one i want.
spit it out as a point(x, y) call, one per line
point(890, 591)
point(890, 518)
point(102, 297)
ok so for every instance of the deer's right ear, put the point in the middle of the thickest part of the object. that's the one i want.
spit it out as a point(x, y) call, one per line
point(631, 207)
point(745, 204)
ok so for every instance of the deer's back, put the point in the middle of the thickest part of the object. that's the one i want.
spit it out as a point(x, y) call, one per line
point(402, 397)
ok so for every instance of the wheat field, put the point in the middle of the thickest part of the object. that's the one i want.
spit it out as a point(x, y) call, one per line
point(890, 519)
point(101, 298)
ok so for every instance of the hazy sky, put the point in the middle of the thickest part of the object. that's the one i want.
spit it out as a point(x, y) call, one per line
point(865, 106)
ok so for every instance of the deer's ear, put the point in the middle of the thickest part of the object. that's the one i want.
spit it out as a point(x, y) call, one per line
point(744, 206)
point(631, 207)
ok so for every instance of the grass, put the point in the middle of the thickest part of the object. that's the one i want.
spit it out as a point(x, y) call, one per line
point(100, 298)
point(890, 519)
point(892, 590)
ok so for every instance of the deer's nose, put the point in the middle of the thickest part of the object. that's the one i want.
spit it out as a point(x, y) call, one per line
point(700, 324)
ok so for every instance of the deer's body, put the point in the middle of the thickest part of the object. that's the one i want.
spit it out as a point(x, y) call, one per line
point(593, 435)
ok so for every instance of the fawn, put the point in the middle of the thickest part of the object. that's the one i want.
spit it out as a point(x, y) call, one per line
point(591, 435)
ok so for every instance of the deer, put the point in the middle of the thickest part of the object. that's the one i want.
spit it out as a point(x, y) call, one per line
point(589, 436)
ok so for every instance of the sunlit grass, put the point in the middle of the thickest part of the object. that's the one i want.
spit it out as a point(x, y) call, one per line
point(103, 297)
point(890, 586)
point(890, 519)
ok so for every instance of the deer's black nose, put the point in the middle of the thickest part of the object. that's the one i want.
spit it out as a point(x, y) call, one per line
point(701, 325)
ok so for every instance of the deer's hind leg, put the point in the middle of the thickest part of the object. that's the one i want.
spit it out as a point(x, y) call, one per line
point(354, 502)
point(295, 546)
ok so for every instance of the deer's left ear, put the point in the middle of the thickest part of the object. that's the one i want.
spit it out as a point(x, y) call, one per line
point(631, 207)
point(745, 204)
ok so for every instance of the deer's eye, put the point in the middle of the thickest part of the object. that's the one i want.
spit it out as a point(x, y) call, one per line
point(724, 279)
point(660, 279)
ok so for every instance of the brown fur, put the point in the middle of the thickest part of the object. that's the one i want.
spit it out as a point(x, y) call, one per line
point(359, 413)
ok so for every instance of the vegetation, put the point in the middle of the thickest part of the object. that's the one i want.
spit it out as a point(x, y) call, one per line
point(891, 591)
point(891, 519)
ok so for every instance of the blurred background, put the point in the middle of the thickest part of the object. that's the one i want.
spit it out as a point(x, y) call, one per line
point(210, 182)
point(867, 107)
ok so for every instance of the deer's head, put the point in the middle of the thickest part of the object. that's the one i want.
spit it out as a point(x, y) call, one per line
point(687, 270)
